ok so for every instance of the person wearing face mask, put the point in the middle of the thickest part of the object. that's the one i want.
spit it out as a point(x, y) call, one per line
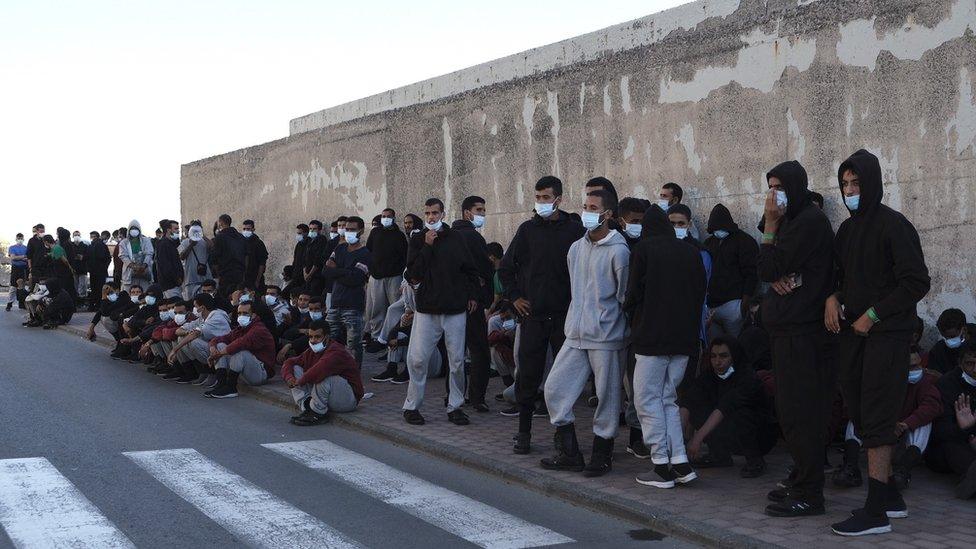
point(734, 277)
point(315, 257)
point(725, 408)
point(671, 195)
point(228, 255)
point(169, 268)
point(155, 348)
point(136, 253)
point(114, 306)
point(298, 254)
point(17, 253)
point(51, 307)
point(62, 253)
point(323, 379)
point(255, 258)
point(165, 338)
point(952, 448)
point(97, 259)
point(295, 339)
point(944, 355)
point(247, 352)
point(279, 308)
point(881, 278)
point(535, 277)
point(348, 270)
point(134, 326)
point(595, 331)
point(194, 252)
point(388, 254)
point(79, 266)
point(334, 230)
point(473, 213)
point(192, 345)
point(445, 282)
point(631, 215)
point(38, 267)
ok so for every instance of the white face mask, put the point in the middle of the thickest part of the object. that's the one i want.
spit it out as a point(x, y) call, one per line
point(20, 241)
point(663, 204)
point(76, 239)
point(175, 236)
point(681, 232)
point(333, 235)
point(245, 298)
point(165, 315)
point(352, 237)
point(41, 288)
point(781, 199)
point(544, 210)
point(591, 220)
point(299, 237)
point(315, 315)
point(150, 300)
point(179, 318)
point(196, 234)
point(386, 221)
point(728, 373)
point(478, 221)
point(954, 342)
point(633, 230)
point(317, 347)
point(133, 233)
point(415, 231)
point(134, 298)
point(721, 234)
point(914, 376)
point(244, 321)
point(434, 226)
point(196, 311)
point(247, 233)
point(313, 234)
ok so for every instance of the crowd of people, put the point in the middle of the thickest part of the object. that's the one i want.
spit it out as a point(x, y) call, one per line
point(704, 343)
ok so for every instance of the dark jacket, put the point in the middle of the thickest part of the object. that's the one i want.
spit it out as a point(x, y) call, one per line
point(479, 254)
point(61, 306)
point(941, 358)
point(741, 392)
point(227, 256)
point(98, 258)
point(665, 290)
point(388, 251)
point(298, 261)
point(879, 255)
point(317, 251)
point(122, 308)
point(349, 277)
point(945, 428)
point(444, 274)
point(256, 255)
point(733, 259)
point(535, 266)
point(77, 258)
point(803, 247)
point(169, 268)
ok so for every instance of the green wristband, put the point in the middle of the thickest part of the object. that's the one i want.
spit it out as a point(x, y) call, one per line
point(769, 237)
point(873, 315)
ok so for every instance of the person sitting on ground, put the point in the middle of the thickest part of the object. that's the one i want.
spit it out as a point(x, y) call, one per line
point(147, 314)
point(295, 340)
point(53, 305)
point(324, 378)
point(164, 340)
point(279, 307)
point(398, 341)
point(501, 339)
point(952, 448)
point(193, 343)
point(114, 307)
point(944, 355)
point(248, 351)
point(726, 410)
point(923, 405)
point(154, 347)
point(145, 336)
point(209, 286)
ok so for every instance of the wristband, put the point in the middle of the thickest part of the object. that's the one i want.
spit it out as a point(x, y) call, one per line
point(873, 315)
point(768, 237)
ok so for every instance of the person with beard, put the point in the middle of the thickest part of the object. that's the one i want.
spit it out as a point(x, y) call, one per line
point(734, 278)
point(388, 254)
point(97, 260)
point(412, 224)
point(665, 296)
point(169, 268)
point(136, 253)
point(881, 278)
point(255, 258)
point(229, 251)
point(796, 256)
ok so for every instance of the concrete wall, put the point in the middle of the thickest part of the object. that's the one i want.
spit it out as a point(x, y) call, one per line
point(710, 95)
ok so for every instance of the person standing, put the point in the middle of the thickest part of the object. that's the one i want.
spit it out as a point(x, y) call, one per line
point(169, 269)
point(298, 255)
point(796, 257)
point(229, 251)
point(881, 278)
point(136, 254)
point(195, 254)
point(79, 266)
point(256, 258)
point(97, 260)
point(38, 267)
point(734, 279)
point(596, 330)
point(388, 253)
point(17, 253)
point(347, 271)
point(535, 276)
point(445, 279)
point(315, 257)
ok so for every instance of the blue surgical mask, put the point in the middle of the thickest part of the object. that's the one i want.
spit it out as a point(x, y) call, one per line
point(681, 232)
point(852, 202)
point(315, 315)
point(663, 204)
point(271, 300)
point(134, 298)
point(113, 297)
point(317, 347)
point(509, 324)
point(591, 220)
point(915, 375)
point(247, 234)
point(386, 221)
point(179, 318)
point(244, 321)
point(633, 230)
point(544, 210)
point(150, 300)
point(352, 237)
point(313, 234)
point(954, 342)
point(166, 315)
point(245, 298)
point(728, 373)
point(298, 237)
point(721, 234)
point(969, 379)
point(478, 221)
point(434, 226)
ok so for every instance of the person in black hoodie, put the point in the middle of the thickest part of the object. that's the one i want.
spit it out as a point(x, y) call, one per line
point(169, 268)
point(944, 355)
point(445, 280)
point(97, 260)
point(54, 309)
point(665, 296)
point(256, 258)
point(114, 306)
point(473, 218)
point(734, 278)
point(881, 277)
point(229, 251)
point(797, 255)
point(317, 251)
point(298, 256)
point(952, 448)
point(388, 251)
point(535, 276)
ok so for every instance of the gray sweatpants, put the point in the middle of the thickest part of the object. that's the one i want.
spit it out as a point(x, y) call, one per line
point(726, 320)
point(332, 393)
point(433, 364)
point(567, 379)
point(656, 380)
point(243, 362)
point(392, 318)
point(381, 293)
point(161, 349)
point(198, 349)
point(427, 331)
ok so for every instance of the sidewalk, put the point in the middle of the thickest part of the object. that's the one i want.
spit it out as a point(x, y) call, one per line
point(719, 509)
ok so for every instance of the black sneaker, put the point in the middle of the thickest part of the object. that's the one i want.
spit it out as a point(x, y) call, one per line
point(458, 417)
point(224, 391)
point(500, 397)
point(683, 473)
point(778, 495)
point(862, 524)
point(402, 378)
point(374, 347)
point(413, 417)
point(386, 375)
point(309, 418)
point(540, 409)
point(639, 450)
point(481, 408)
point(660, 477)
point(523, 443)
point(711, 462)
point(847, 476)
point(172, 375)
point(753, 469)
point(9, 306)
point(789, 508)
point(510, 412)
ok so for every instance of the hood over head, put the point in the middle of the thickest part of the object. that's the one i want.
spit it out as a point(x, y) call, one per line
point(794, 179)
point(135, 224)
point(868, 170)
point(721, 220)
point(53, 286)
point(656, 223)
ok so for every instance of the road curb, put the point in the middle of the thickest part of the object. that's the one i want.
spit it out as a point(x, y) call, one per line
point(659, 519)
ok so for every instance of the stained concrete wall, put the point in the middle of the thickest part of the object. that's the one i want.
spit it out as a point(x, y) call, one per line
point(710, 95)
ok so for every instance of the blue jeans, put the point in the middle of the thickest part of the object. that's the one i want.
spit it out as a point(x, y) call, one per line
point(352, 319)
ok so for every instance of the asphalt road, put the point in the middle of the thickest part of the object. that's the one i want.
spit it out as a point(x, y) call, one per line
point(99, 453)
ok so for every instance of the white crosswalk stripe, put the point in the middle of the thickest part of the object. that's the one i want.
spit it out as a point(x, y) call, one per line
point(258, 517)
point(39, 507)
point(460, 515)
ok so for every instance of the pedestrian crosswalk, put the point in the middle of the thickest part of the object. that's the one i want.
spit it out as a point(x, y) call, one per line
point(40, 507)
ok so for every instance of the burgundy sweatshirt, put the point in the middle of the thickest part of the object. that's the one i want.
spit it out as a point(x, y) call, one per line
point(334, 360)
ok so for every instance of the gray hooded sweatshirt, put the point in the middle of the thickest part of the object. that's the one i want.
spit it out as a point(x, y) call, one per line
point(598, 283)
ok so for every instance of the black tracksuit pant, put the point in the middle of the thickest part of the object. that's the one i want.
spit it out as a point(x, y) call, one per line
point(743, 432)
point(803, 366)
point(953, 457)
point(476, 340)
point(537, 336)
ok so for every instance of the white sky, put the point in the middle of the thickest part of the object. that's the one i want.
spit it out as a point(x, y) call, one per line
point(101, 101)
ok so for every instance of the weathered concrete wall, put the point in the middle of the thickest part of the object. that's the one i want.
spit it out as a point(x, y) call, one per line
point(709, 95)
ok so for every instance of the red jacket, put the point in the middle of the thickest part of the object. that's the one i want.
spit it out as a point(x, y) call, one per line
point(255, 338)
point(334, 360)
point(923, 402)
point(167, 331)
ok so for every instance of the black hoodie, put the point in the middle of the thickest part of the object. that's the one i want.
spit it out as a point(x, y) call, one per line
point(879, 256)
point(535, 266)
point(388, 251)
point(62, 305)
point(169, 268)
point(479, 254)
point(803, 247)
point(733, 259)
point(445, 272)
point(665, 290)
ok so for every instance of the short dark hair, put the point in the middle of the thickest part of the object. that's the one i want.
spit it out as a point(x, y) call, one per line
point(951, 318)
point(20, 235)
point(633, 205)
point(302, 227)
point(341, 219)
point(135, 286)
point(334, 225)
point(470, 201)
point(495, 249)
point(434, 202)
point(357, 220)
point(391, 210)
point(180, 302)
point(316, 299)
point(550, 182)
point(675, 190)
point(607, 198)
point(735, 349)
point(248, 222)
point(275, 286)
point(680, 209)
point(48, 238)
point(91, 233)
point(603, 183)
point(225, 219)
point(315, 222)
point(319, 325)
point(164, 224)
point(303, 291)
point(39, 226)
point(106, 235)
point(376, 219)
point(209, 282)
